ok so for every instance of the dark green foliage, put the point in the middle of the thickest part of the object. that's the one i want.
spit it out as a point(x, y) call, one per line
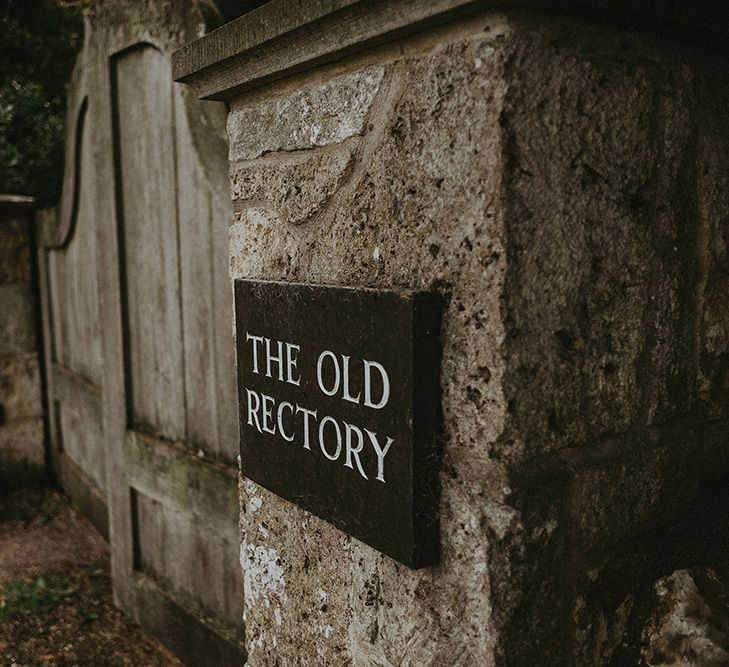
point(31, 596)
point(40, 40)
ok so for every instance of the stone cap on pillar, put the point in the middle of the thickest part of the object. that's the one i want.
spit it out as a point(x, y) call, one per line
point(282, 37)
point(16, 203)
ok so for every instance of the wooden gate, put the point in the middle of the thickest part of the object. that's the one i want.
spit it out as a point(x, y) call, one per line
point(138, 314)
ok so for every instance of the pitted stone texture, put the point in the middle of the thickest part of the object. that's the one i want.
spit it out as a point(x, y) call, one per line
point(599, 289)
point(545, 184)
point(325, 114)
point(621, 487)
point(689, 624)
point(22, 440)
point(307, 181)
point(279, 551)
point(419, 209)
point(17, 320)
point(712, 256)
point(15, 250)
point(19, 387)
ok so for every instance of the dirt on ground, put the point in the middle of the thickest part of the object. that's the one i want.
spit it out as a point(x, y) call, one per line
point(55, 588)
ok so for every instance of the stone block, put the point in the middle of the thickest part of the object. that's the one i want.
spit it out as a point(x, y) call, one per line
point(19, 387)
point(306, 179)
point(325, 114)
point(599, 287)
point(15, 250)
point(17, 320)
point(542, 176)
point(22, 440)
point(688, 624)
point(416, 208)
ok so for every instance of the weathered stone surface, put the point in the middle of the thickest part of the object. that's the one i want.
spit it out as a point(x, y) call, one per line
point(21, 427)
point(22, 440)
point(689, 624)
point(280, 550)
point(324, 115)
point(416, 210)
point(15, 250)
point(543, 176)
point(712, 255)
point(307, 182)
point(17, 320)
point(19, 387)
point(599, 291)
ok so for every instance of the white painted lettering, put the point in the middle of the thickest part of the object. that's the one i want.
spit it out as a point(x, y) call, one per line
point(268, 413)
point(279, 420)
point(353, 452)
point(253, 412)
point(380, 452)
point(368, 366)
point(330, 420)
point(255, 340)
point(307, 413)
point(291, 360)
point(319, 378)
point(345, 381)
point(273, 358)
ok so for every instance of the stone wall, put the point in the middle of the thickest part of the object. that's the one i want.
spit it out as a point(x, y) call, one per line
point(21, 424)
point(563, 184)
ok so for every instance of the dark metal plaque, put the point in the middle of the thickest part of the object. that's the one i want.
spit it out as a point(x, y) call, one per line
point(339, 407)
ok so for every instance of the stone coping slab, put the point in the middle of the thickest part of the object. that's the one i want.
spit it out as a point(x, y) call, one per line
point(10, 203)
point(283, 37)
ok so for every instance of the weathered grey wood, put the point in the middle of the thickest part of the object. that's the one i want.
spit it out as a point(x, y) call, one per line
point(179, 552)
point(282, 37)
point(77, 304)
point(57, 229)
point(158, 311)
point(78, 411)
point(114, 394)
point(71, 259)
point(170, 474)
point(45, 219)
point(69, 313)
point(201, 642)
point(204, 214)
point(70, 385)
point(84, 493)
point(227, 386)
point(147, 161)
point(56, 305)
point(196, 229)
point(82, 439)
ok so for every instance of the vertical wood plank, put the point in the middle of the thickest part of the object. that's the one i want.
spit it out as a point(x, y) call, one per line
point(198, 305)
point(47, 219)
point(205, 212)
point(72, 303)
point(151, 271)
point(84, 349)
point(227, 386)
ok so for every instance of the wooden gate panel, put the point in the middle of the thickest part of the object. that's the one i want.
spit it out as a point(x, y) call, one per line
point(204, 209)
point(78, 408)
point(166, 539)
point(173, 211)
point(154, 428)
point(67, 260)
point(74, 286)
point(148, 209)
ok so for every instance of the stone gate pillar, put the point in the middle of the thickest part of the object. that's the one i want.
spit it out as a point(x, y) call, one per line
point(560, 178)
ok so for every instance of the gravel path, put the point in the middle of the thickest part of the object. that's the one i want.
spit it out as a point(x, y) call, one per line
point(55, 588)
